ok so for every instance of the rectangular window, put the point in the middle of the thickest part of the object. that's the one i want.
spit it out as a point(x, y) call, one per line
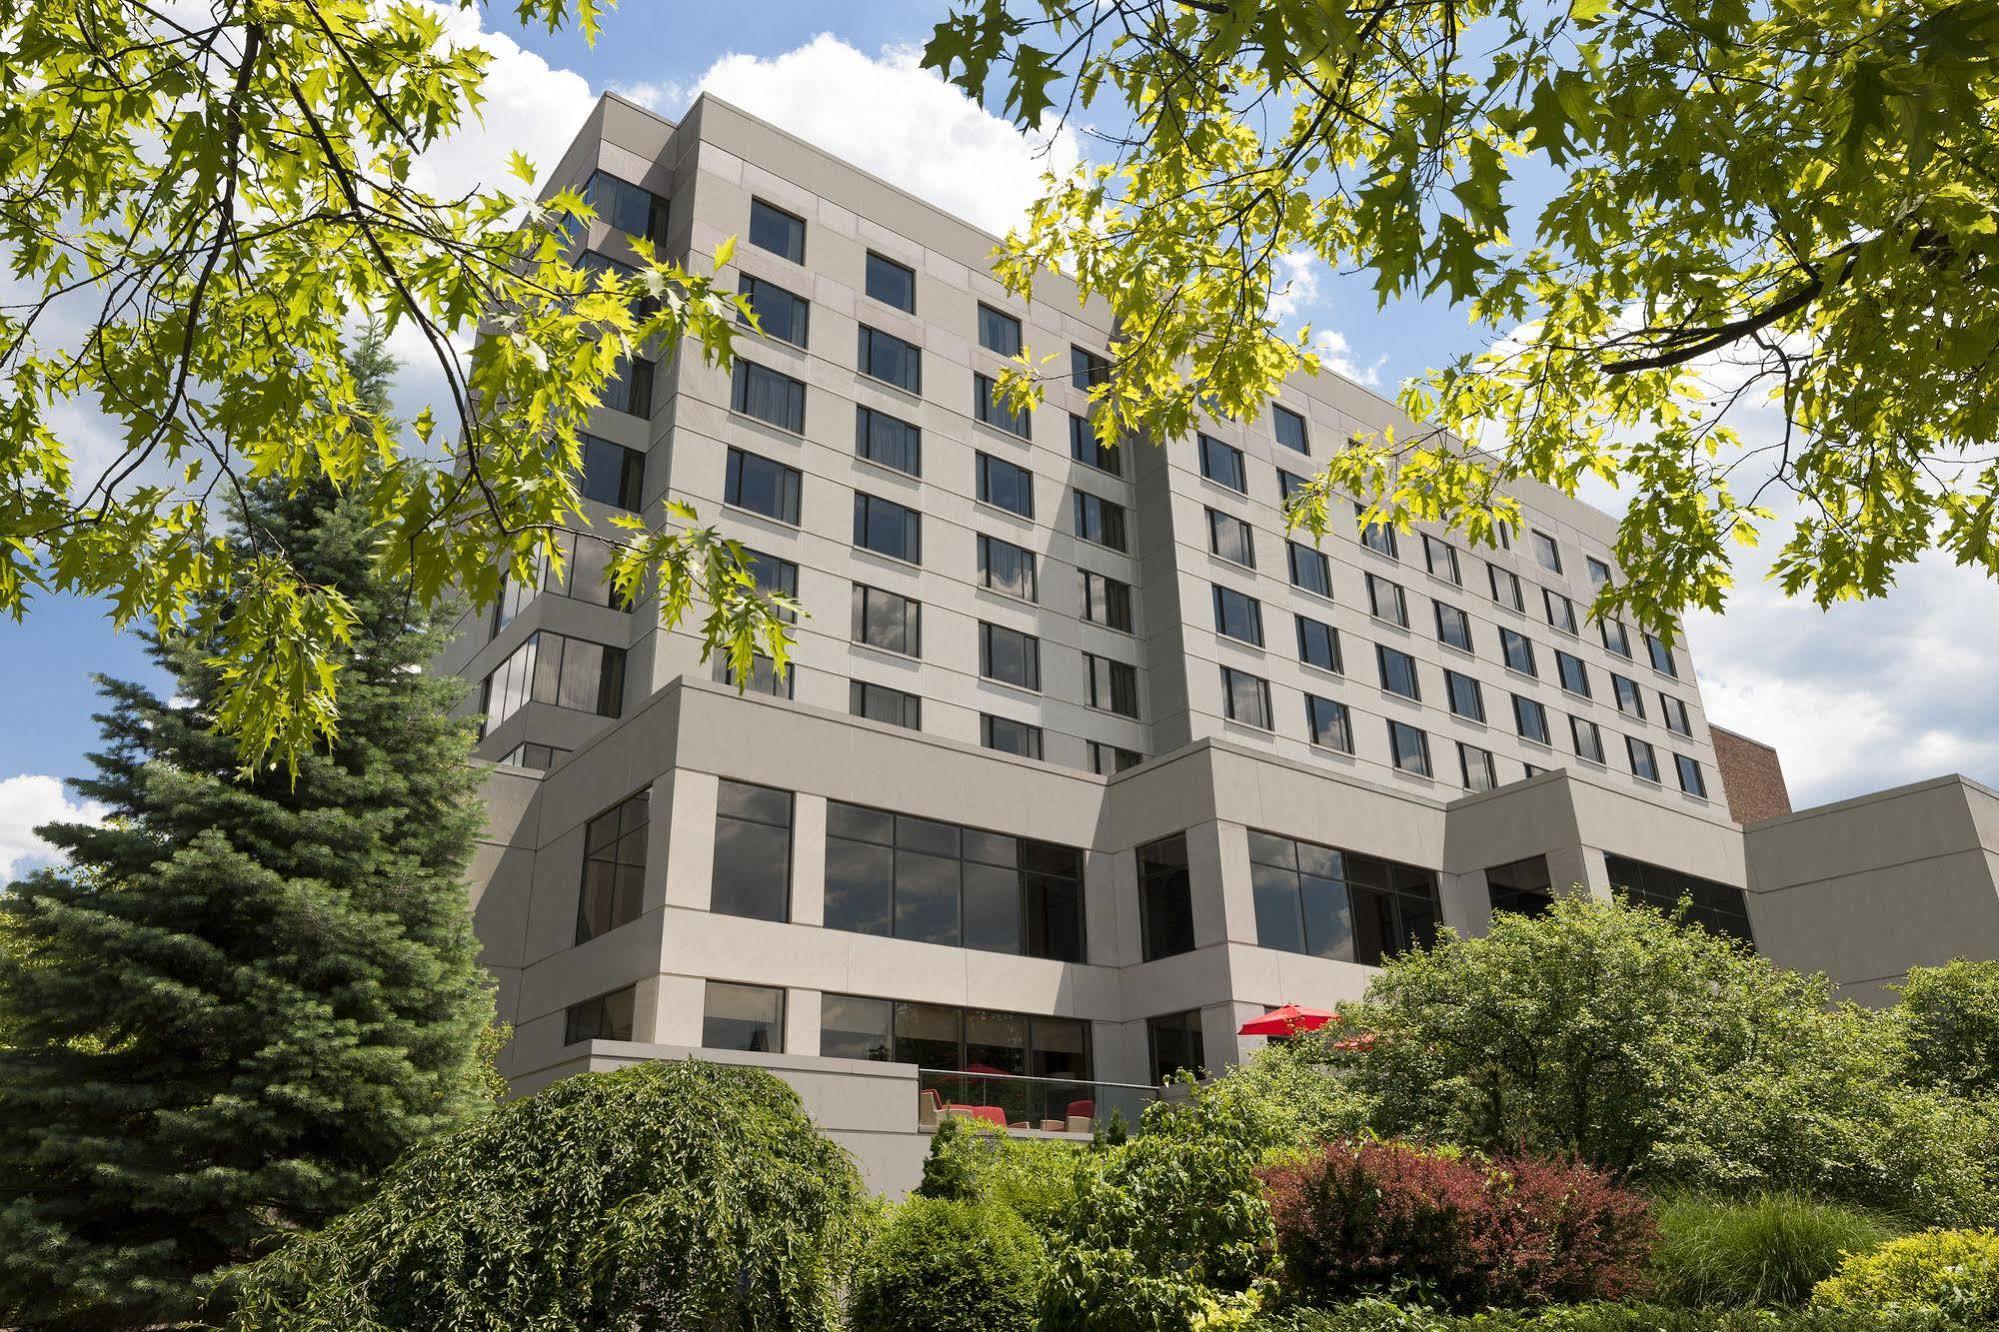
point(1175, 1043)
point(888, 441)
point(1085, 448)
point(1409, 748)
point(1009, 656)
point(1246, 698)
point(1572, 673)
point(1398, 672)
point(1112, 685)
point(998, 331)
point(934, 882)
point(1005, 486)
point(1466, 697)
point(762, 679)
point(1523, 887)
point(1288, 484)
point(773, 398)
point(1615, 638)
point(1230, 538)
point(1290, 428)
point(988, 408)
point(891, 283)
point(1319, 645)
point(1475, 767)
point(1009, 736)
point(939, 1039)
point(1442, 559)
point(1165, 899)
point(1530, 719)
point(1506, 588)
point(1386, 602)
point(608, 1017)
point(888, 358)
point(752, 852)
point(1630, 701)
point(630, 388)
point(1087, 369)
point(1107, 759)
point(553, 668)
point(537, 758)
point(1713, 906)
point(1099, 520)
point(625, 207)
point(1561, 611)
point(880, 703)
point(887, 528)
point(1547, 551)
point(780, 313)
point(763, 486)
point(888, 621)
point(1599, 572)
point(1238, 616)
point(1106, 601)
point(612, 474)
point(1310, 570)
point(742, 1017)
point(1662, 656)
point(1377, 537)
point(1675, 714)
point(773, 229)
point(1691, 780)
point(1588, 739)
point(614, 869)
point(1339, 904)
point(1453, 627)
point(1005, 567)
point(1644, 762)
point(1518, 651)
point(1329, 724)
point(1222, 464)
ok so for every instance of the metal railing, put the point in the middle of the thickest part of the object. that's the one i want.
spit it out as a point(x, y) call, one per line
point(1054, 1104)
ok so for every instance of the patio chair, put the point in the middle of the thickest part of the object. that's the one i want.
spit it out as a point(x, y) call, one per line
point(1082, 1116)
point(929, 1106)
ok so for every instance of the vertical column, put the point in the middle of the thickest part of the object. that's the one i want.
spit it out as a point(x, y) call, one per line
point(802, 1009)
point(1467, 902)
point(808, 861)
point(687, 869)
point(1110, 907)
point(677, 1006)
point(1219, 1023)
point(1224, 906)
point(1578, 867)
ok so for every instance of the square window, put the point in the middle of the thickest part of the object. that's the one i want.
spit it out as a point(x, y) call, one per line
point(1222, 464)
point(773, 229)
point(1398, 672)
point(743, 1017)
point(888, 358)
point(1409, 748)
point(780, 314)
point(1453, 627)
point(888, 621)
point(891, 283)
point(1230, 538)
point(1007, 568)
point(1319, 645)
point(612, 474)
point(1112, 685)
point(1009, 656)
point(1310, 570)
point(1087, 369)
point(1238, 616)
point(1466, 698)
point(998, 331)
point(1441, 557)
point(888, 441)
point(1386, 602)
point(1005, 486)
point(988, 408)
point(1330, 724)
point(1530, 719)
point(1100, 521)
point(1290, 428)
point(762, 486)
point(1246, 698)
point(774, 398)
point(887, 528)
point(1085, 448)
point(1106, 601)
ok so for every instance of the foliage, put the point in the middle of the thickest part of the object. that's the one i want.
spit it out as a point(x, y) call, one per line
point(671, 1195)
point(241, 1000)
point(1950, 1022)
point(1954, 1271)
point(1770, 1250)
point(1665, 1054)
point(1035, 1178)
point(947, 1265)
point(1355, 1219)
point(201, 215)
point(1286, 1096)
point(1806, 192)
point(1379, 1315)
point(1165, 1235)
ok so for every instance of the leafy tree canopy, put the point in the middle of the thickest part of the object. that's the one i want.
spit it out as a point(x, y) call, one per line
point(200, 205)
point(1805, 191)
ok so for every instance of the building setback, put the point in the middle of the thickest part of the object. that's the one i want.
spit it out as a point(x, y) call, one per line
point(1081, 761)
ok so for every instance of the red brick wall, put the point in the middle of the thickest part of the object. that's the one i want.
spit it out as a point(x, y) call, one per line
point(1752, 777)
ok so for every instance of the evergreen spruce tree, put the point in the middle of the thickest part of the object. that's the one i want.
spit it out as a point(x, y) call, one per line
point(242, 997)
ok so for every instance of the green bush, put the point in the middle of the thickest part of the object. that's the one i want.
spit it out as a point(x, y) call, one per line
point(1384, 1316)
point(1286, 1097)
point(668, 1194)
point(1950, 1023)
point(945, 1265)
point(1770, 1250)
point(1033, 1177)
point(1953, 1271)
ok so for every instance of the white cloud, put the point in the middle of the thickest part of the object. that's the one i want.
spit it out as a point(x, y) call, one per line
point(1297, 288)
point(26, 803)
point(888, 115)
point(661, 97)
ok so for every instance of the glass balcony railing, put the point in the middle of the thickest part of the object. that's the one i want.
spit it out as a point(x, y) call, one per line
point(1016, 1101)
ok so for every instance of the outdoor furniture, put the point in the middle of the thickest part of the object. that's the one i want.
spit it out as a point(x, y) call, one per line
point(1054, 1126)
point(991, 1114)
point(929, 1106)
point(1082, 1116)
point(1280, 1023)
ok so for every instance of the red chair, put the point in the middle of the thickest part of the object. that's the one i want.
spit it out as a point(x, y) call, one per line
point(1084, 1109)
point(1081, 1116)
point(992, 1114)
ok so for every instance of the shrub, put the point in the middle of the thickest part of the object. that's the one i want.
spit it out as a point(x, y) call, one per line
point(1770, 1250)
point(1033, 1177)
point(667, 1194)
point(1286, 1096)
point(945, 1265)
point(1665, 1054)
point(1462, 1233)
point(1955, 1272)
point(1950, 1023)
point(1384, 1316)
point(1165, 1234)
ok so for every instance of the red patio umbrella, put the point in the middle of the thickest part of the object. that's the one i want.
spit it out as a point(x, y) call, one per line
point(1287, 1021)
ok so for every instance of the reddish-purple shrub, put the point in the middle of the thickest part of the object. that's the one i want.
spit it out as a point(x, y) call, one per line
point(1466, 1233)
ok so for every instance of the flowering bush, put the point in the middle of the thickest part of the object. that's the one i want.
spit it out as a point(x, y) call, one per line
point(1954, 1272)
point(1458, 1232)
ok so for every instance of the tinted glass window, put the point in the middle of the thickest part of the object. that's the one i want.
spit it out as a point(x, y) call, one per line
point(1329, 724)
point(883, 704)
point(1106, 601)
point(1398, 672)
point(762, 486)
point(612, 474)
point(887, 620)
point(1005, 567)
point(1246, 698)
point(770, 397)
point(1518, 651)
point(1339, 904)
point(752, 852)
point(1530, 719)
point(1442, 559)
point(1111, 686)
point(614, 867)
point(1588, 740)
point(998, 331)
point(1165, 898)
point(1175, 1042)
point(742, 1017)
point(1386, 601)
point(888, 358)
point(1290, 429)
point(1573, 674)
point(887, 440)
point(1084, 447)
point(1475, 768)
point(608, 1017)
point(775, 230)
point(1644, 762)
point(780, 314)
point(1005, 486)
point(1222, 464)
point(1238, 616)
point(1319, 645)
point(891, 283)
point(1087, 369)
point(988, 408)
point(1714, 906)
point(1099, 520)
point(1453, 627)
point(1466, 698)
point(887, 528)
point(1009, 656)
point(1691, 780)
point(1010, 736)
point(1230, 538)
point(1310, 569)
point(1409, 748)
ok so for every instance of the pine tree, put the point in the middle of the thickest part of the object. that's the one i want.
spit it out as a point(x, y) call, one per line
point(242, 997)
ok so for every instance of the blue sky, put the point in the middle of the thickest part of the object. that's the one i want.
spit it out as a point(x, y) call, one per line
point(1860, 698)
